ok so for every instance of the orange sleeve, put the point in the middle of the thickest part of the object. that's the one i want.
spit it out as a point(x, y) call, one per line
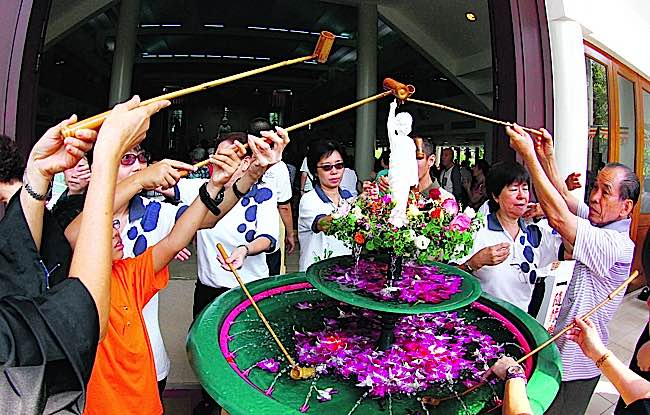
point(146, 283)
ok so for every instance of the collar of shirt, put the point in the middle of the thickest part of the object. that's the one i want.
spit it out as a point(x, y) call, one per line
point(493, 223)
point(622, 225)
point(345, 194)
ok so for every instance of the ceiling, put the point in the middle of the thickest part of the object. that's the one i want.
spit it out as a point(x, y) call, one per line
point(427, 43)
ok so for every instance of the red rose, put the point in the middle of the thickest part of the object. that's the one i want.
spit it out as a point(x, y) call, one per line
point(434, 194)
point(359, 238)
point(435, 213)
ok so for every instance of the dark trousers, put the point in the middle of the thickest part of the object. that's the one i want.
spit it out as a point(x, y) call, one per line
point(204, 295)
point(573, 397)
point(273, 262)
point(634, 366)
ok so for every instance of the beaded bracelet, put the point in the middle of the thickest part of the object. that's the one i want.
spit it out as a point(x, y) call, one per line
point(603, 358)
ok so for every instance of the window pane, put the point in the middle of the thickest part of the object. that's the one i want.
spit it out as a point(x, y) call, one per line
point(627, 129)
point(645, 201)
point(598, 120)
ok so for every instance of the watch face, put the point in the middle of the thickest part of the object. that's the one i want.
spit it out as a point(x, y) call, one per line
point(515, 370)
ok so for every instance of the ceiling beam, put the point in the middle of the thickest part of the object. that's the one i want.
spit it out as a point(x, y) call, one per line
point(66, 16)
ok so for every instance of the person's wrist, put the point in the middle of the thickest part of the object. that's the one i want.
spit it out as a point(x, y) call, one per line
point(598, 353)
point(245, 249)
point(38, 179)
point(213, 188)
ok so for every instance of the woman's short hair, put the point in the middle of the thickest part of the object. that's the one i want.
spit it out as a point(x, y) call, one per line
point(12, 164)
point(320, 149)
point(500, 176)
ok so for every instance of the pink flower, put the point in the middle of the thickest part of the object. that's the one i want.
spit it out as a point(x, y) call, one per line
point(460, 223)
point(270, 365)
point(450, 206)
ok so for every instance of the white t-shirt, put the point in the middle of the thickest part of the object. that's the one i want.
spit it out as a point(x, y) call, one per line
point(305, 169)
point(149, 222)
point(254, 216)
point(349, 181)
point(313, 206)
point(513, 280)
point(277, 178)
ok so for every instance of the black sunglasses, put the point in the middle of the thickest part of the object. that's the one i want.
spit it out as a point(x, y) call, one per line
point(327, 167)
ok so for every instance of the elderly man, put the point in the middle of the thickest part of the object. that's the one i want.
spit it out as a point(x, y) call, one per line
point(597, 237)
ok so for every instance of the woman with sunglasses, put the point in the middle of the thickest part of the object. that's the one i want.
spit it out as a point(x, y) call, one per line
point(325, 162)
point(507, 254)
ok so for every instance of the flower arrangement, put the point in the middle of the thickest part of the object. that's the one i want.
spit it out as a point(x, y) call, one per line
point(431, 350)
point(417, 283)
point(436, 228)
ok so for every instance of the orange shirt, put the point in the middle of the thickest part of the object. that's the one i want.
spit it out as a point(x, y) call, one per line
point(123, 380)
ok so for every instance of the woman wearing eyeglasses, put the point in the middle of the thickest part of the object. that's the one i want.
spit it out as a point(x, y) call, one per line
point(507, 254)
point(325, 162)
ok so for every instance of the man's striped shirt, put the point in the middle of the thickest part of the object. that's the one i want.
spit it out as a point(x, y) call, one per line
point(603, 260)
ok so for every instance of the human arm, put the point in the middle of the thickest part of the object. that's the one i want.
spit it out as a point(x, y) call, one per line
point(237, 256)
point(163, 174)
point(124, 128)
point(558, 213)
point(643, 357)
point(631, 386)
point(226, 162)
point(52, 154)
point(264, 156)
point(286, 215)
point(515, 399)
point(490, 255)
point(546, 156)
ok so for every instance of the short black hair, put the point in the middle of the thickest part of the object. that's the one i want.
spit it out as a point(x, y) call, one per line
point(12, 164)
point(320, 149)
point(500, 176)
point(629, 187)
point(258, 124)
point(484, 166)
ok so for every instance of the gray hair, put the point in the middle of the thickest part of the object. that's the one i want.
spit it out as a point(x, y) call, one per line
point(629, 187)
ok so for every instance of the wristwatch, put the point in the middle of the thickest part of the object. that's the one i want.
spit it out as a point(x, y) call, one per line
point(211, 204)
point(516, 371)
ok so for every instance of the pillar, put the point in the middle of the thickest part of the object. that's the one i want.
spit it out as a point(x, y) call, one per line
point(124, 55)
point(570, 98)
point(366, 123)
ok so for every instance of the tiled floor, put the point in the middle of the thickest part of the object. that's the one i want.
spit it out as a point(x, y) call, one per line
point(176, 316)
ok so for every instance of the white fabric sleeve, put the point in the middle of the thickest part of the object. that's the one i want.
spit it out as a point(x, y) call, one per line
point(597, 248)
point(188, 189)
point(283, 184)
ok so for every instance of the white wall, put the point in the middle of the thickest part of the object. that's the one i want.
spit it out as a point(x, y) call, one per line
point(620, 27)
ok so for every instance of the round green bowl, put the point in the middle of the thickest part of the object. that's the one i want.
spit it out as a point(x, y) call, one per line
point(227, 339)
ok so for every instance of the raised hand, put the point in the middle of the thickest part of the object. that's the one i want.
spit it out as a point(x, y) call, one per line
point(544, 145)
point(533, 211)
point(78, 178)
point(54, 153)
point(585, 335)
point(162, 175)
point(236, 258)
point(572, 181)
point(226, 163)
point(129, 122)
point(264, 154)
point(520, 141)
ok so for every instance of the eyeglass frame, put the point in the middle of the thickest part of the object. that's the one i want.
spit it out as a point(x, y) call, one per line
point(143, 157)
point(328, 167)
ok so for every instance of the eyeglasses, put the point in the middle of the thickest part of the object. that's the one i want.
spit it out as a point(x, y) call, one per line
point(327, 167)
point(129, 159)
point(116, 224)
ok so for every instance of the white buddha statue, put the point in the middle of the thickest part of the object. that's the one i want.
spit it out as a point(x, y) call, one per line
point(403, 166)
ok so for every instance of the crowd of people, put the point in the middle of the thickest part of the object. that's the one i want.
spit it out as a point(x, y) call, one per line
point(79, 329)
